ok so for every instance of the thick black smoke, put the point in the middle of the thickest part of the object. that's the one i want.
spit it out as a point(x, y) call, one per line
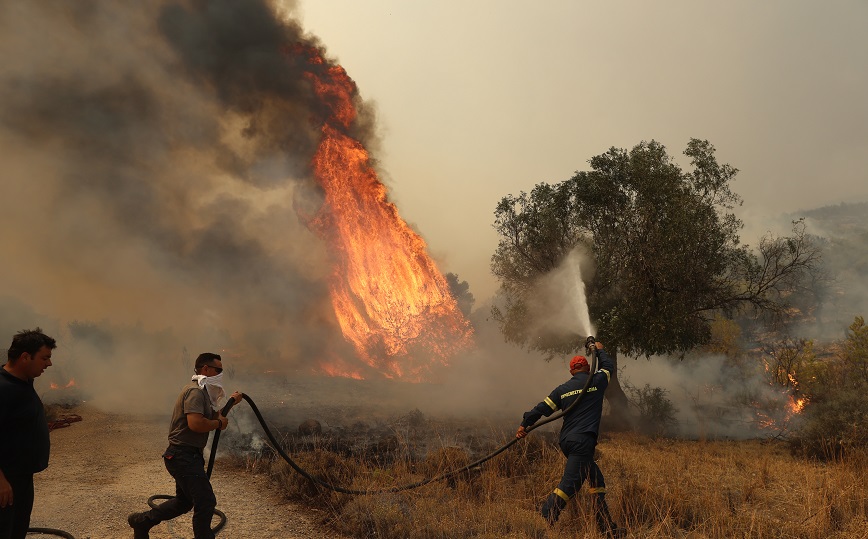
point(154, 153)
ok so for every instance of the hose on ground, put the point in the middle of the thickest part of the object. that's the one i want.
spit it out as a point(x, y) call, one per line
point(51, 531)
point(276, 445)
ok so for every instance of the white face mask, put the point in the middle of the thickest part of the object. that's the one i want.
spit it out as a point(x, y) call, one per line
point(213, 386)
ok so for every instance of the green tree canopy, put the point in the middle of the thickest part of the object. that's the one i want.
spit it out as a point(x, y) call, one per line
point(665, 247)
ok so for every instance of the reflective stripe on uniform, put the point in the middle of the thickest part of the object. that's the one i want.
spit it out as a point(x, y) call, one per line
point(597, 490)
point(562, 494)
point(608, 374)
point(571, 393)
point(551, 404)
point(577, 392)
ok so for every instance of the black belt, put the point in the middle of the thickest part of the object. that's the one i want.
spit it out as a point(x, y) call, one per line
point(186, 449)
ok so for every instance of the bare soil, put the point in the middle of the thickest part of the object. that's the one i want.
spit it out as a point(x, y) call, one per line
point(107, 466)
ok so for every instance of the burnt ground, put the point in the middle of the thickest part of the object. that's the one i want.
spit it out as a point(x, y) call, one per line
point(377, 419)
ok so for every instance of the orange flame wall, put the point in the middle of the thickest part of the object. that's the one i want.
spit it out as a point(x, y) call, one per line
point(391, 301)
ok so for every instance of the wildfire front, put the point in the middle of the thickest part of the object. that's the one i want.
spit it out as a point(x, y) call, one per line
point(391, 302)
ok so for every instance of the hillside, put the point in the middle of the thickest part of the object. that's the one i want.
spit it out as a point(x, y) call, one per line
point(843, 231)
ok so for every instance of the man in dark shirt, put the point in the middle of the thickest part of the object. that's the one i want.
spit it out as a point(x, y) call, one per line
point(578, 438)
point(23, 429)
point(193, 418)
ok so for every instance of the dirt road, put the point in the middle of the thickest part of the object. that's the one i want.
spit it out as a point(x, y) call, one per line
point(106, 466)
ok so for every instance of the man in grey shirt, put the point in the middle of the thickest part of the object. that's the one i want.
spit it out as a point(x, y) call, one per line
point(193, 418)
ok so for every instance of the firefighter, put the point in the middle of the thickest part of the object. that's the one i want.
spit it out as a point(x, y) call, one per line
point(578, 438)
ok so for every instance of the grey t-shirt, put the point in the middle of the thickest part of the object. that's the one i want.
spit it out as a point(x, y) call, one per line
point(191, 400)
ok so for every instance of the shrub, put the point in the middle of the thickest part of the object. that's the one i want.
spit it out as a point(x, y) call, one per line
point(835, 422)
point(656, 411)
point(833, 427)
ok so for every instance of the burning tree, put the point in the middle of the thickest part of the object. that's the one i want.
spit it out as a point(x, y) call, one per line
point(665, 246)
point(391, 301)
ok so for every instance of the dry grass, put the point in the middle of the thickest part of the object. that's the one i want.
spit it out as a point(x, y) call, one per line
point(657, 488)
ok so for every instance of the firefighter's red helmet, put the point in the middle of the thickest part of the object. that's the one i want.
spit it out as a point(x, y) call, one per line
point(579, 363)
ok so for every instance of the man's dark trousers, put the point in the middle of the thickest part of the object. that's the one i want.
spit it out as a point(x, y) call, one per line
point(15, 518)
point(192, 490)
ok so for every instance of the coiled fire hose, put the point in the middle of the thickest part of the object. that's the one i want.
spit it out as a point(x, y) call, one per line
point(591, 349)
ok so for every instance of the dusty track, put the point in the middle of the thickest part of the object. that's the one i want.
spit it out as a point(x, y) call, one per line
point(106, 466)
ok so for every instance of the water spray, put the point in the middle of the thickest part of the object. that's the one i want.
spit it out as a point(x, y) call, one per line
point(580, 299)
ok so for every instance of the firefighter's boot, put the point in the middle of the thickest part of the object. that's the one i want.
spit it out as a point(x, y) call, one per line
point(141, 524)
point(604, 520)
point(552, 507)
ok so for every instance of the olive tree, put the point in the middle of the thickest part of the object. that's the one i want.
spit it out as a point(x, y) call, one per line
point(665, 249)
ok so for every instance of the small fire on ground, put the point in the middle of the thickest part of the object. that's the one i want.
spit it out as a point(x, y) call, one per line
point(55, 385)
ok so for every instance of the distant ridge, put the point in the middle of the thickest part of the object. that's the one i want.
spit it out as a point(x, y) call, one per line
point(844, 219)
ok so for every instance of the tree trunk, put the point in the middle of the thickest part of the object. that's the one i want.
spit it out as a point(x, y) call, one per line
point(619, 418)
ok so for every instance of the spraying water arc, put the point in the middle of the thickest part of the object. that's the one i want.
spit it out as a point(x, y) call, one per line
point(576, 294)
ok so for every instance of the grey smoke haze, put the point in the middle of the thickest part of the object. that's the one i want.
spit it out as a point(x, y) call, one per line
point(709, 395)
point(136, 171)
point(154, 154)
point(711, 398)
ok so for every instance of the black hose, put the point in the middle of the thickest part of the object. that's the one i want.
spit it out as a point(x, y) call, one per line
point(224, 412)
point(51, 531)
point(276, 445)
point(219, 513)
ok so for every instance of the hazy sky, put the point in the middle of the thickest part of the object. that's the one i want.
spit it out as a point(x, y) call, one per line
point(481, 99)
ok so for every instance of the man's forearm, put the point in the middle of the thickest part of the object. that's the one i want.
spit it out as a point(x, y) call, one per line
point(606, 362)
point(6, 493)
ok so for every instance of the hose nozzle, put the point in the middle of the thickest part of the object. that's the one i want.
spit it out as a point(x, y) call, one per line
point(590, 343)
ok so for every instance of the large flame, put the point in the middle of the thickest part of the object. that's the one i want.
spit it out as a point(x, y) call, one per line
point(391, 301)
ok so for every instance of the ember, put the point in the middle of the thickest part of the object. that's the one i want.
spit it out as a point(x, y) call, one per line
point(797, 405)
point(770, 417)
point(55, 385)
point(391, 301)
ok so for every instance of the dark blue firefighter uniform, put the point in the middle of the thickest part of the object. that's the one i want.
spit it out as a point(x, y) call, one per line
point(578, 440)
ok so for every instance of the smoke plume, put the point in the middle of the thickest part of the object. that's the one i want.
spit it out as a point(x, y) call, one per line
point(155, 154)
